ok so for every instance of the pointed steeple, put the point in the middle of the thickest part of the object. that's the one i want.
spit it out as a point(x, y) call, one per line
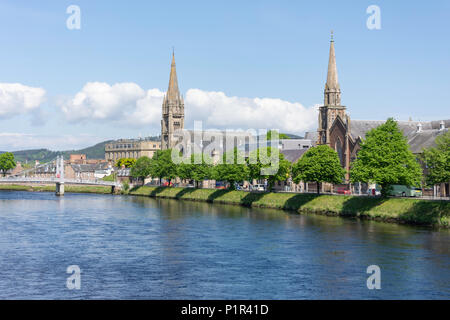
point(172, 111)
point(332, 88)
point(173, 93)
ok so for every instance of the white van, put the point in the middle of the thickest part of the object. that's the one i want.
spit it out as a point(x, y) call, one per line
point(259, 187)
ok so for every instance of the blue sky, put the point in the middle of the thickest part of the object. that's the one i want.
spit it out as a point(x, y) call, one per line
point(276, 51)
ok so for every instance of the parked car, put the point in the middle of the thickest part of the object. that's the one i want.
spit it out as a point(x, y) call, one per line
point(166, 184)
point(220, 185)
point(259, 187)
point(343, 190)
point(404, 191)
point(373, 192)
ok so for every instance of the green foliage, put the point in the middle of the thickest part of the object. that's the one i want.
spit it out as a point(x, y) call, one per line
point(319, 164)
point(385, 158)
point(196, 171)
point(26, 166)
point(162, 165)
point(142, 168)
point(111, 177)
point(280, 135)
point(233, 169)
point(125, 185)
point(127, 162)
point(266, 158)
point(7, 162)
point(437, 160)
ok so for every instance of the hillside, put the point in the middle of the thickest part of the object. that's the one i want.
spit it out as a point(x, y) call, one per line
point(44, 155)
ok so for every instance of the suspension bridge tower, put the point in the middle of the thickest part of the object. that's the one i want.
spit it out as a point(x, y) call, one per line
point(59, 176)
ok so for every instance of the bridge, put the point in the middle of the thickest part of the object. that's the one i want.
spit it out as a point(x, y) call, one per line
point(58, 179)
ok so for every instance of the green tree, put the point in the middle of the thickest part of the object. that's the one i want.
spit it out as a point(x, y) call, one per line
point(142, 168)
point(319, 164)
point(162, 166)
point(437, 160)
point(232, 169)
point(196, 171)
point(265, 159)
point(280, 135)
point(127, 162)
point(7, 162)
point(385, 158)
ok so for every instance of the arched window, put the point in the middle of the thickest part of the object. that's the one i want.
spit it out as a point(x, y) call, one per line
point(338, 148)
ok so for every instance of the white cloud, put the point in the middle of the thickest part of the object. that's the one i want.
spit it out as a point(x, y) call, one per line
point(219, 110)
point(23, 141)
point(128, 103)
point(16, 98)
point(123, 102)
point(100, 101)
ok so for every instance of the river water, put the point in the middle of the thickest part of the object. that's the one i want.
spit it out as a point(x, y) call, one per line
point(142, 248)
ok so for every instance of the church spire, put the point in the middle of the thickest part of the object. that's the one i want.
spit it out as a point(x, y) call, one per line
point(332, 88)
point(173, 93)
point(172, 111)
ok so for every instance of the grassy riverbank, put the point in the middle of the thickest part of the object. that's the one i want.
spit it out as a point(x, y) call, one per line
point(51, 188)
point(401, 210)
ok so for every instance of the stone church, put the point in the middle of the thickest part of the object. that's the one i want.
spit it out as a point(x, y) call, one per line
point(344, 135)
point(172, 111)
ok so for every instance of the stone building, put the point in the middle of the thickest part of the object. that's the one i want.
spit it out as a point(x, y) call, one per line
point(131, 148)
point(344, 135)
point(333, 120)
point(78, 158)
point(172, 111)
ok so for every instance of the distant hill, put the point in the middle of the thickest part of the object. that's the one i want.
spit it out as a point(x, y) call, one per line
point(44, 155)
point(293, 136)
point(95, 152)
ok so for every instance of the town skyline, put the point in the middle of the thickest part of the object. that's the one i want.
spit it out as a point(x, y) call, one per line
point(294, 85)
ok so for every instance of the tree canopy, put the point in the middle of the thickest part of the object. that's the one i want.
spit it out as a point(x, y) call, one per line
point(142, 168)
point(233, 169)
point(319, 164)
point(162, 165)
point(270, 164)
point(437, 160)
point(7, 162)
point(127, 162)
point(386, 159)
point(196, 171)
point(280, 135)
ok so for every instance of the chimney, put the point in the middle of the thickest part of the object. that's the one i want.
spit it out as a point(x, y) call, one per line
point(442, 125)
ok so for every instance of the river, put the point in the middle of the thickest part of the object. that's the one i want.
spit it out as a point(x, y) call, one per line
point(143, 248)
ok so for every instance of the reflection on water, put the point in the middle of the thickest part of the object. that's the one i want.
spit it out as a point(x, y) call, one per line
point(142, 248)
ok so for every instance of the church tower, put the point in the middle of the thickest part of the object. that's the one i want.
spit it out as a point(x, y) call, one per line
point(172, 110)
point(332, 100)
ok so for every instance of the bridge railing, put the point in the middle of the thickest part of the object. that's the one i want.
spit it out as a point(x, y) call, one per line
point(58, 180)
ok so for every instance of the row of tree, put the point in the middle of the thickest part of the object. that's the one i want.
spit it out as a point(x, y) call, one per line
point(200, 168)
point(384, 158)
point(320, 164)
